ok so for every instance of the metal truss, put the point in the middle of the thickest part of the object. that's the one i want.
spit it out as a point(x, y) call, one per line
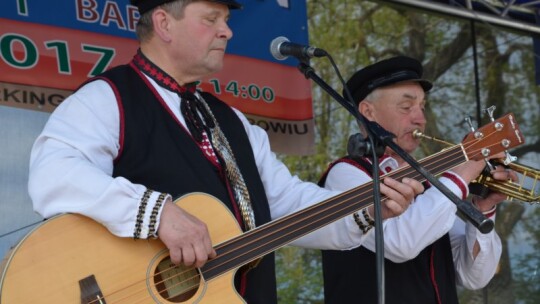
point(502, 8)
point(511, 14)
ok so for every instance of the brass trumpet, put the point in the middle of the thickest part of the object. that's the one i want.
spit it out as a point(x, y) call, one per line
point(526, 189)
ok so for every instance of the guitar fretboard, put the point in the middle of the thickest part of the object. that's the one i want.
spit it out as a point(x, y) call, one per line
point(276, 234)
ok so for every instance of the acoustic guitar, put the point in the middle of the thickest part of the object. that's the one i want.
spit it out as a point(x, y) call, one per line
point(73, 259)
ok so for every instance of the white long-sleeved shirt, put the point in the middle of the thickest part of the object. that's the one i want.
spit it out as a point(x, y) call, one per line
point(72, 159)
point(430, 216)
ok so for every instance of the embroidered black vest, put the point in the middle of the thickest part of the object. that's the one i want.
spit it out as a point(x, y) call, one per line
point(351, 277)
point(156, 151)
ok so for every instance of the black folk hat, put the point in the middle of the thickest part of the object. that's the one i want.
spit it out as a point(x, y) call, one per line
point(147, 5)
point(384, 73)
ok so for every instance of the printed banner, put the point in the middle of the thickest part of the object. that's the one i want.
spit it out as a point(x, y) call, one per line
point(48, 48)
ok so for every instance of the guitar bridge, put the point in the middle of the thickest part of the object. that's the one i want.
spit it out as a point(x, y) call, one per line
point(90, 292)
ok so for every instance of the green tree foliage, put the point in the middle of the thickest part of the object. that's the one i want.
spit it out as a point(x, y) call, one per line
point(473, 66)
point(299, 276)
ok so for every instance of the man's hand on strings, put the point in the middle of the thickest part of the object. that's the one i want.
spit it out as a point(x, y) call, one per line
point(400, 195)
point(186, 237)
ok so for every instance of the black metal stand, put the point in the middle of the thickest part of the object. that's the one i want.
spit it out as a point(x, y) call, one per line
point(361, 147)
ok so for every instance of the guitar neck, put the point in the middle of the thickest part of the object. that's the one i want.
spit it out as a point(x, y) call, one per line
point(269, 237)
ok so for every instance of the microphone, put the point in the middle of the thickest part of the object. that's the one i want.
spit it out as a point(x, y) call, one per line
point(281, 49)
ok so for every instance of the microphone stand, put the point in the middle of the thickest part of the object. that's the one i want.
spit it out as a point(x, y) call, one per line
point(362, 147)
point(378, 139)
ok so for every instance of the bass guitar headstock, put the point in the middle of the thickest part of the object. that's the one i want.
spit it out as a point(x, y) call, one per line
point(497, 136)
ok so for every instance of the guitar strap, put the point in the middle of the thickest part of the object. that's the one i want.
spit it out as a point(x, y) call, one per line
point(240, 191)
point(223, 149)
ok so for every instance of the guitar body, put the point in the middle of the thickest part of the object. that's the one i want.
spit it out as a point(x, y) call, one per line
point(49, 263)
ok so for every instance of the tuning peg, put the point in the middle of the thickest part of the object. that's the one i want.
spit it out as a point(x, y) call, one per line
point(468, 120)
point(490, 112)
point(509, 158)
point(478, 135)
point(498, 126)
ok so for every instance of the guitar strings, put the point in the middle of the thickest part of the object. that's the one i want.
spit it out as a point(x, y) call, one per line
point(319, 216)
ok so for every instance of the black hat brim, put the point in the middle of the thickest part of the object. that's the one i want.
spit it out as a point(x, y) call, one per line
point(231, 4)
point(385, 73)
point(147, 5)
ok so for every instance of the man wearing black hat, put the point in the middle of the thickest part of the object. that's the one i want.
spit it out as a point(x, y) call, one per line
point(130, 140)
point(427, 248)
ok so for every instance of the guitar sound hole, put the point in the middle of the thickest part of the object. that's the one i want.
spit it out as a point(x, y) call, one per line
point(176, 283)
